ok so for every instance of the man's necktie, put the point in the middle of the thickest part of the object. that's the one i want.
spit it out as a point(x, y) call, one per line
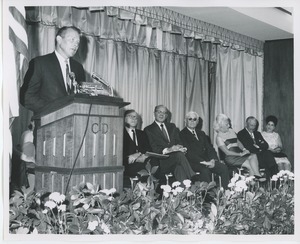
point(195, 134)
point(133, 136)
point(134, 139)
point(253, 138)
point(164, 132)
point(69, 88)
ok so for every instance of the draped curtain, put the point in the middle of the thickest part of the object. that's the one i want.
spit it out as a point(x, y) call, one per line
point(238, 90)
point(145, 65)
point(150, 61)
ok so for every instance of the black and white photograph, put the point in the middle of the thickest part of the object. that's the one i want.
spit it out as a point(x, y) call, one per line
point(149, 121)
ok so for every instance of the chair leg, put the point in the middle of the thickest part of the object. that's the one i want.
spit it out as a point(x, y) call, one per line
point(133, 181)
point(168, 176)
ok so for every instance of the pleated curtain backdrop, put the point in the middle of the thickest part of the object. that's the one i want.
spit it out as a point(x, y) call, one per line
point(151, 62)
point(238, 86)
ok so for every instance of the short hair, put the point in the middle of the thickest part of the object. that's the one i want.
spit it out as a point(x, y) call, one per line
point(272, 118)
point(219, 120)
point(160, 106)
point(251, 118)
point(188, 114)
point(62, 31)
point(129, 111)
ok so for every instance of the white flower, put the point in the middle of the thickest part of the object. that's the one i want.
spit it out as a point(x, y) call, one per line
point(179, 189)
point(280, 173)
point(62, 208)
point(274, 178)
point(166, 188)
point(110, 198)
point(86, 206)
point(240, 186)
point(57, 197)
point(199, 223)
point(22, 230)
point(175, 184)
point(210, 226)
point(235, 177)
point(45, 211)
point(231, 184)
point(50, 204)
point(105, 228)
point(187, 183)
point(286, 172)
point(174, 191)
point(92, 225)
point(166, 194)
point(250, 178)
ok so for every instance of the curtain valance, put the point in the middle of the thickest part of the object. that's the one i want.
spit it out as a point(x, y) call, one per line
point(199, 29)
point(121, 25)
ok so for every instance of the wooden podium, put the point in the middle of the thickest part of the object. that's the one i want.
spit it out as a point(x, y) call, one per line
point(82, 128)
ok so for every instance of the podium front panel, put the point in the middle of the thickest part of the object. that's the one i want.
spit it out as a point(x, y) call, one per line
point(94, 140)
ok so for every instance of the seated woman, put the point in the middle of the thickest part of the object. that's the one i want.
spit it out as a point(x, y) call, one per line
point(275, 144)
point(236, 154)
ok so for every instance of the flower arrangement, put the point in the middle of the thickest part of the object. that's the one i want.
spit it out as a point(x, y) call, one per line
point(181, 208)
point(245, 209)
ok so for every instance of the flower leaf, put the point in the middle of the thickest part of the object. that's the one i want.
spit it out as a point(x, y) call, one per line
point(180, 217)
point(136, 206)
point(143, 172)
point(214, 209)
point(154, 169)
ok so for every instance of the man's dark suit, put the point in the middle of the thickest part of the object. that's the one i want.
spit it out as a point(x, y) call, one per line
point(177, 162)
point(129, 147)
point(199, 150)
point(264, 156)
point(44, 81)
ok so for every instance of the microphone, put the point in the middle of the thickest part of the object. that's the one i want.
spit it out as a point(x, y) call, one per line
point(74, 83)
point(72, 76)
point(97, 77)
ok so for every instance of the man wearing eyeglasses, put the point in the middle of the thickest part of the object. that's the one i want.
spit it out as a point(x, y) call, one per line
point(200, 153)
point(164, 139)
point(135, 145)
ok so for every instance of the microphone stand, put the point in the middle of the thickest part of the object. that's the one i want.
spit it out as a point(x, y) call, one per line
point(97, 78)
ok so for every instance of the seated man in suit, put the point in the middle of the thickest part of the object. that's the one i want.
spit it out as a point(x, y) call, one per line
point(200, 153)
point(164, 139)
point(135, 144)
point(254, 142)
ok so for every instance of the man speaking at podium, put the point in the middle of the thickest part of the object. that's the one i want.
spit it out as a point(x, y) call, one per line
point(49, 77)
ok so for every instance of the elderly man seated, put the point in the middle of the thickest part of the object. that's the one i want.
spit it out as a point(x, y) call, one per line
point(200, 153)
point(164, 139)
point(255, 143)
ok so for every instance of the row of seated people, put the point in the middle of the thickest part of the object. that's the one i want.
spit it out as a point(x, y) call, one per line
point(190, 150)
